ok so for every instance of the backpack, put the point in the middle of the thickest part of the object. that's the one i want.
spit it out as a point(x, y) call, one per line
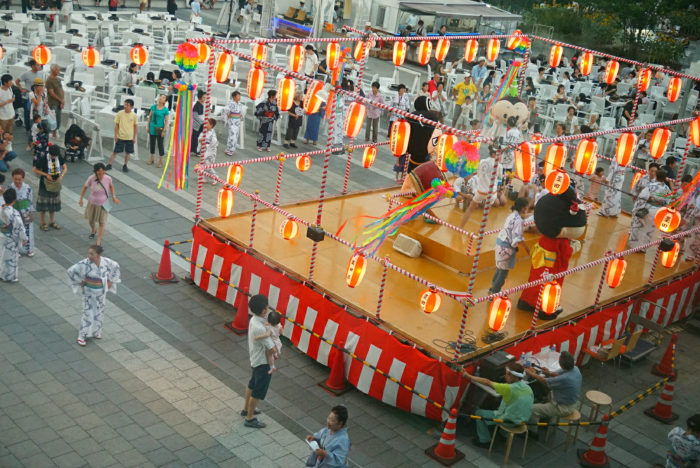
point(19, 101)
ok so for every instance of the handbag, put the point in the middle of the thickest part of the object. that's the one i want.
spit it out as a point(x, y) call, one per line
point(52, 185)
point(108, 204)
point(159, 130)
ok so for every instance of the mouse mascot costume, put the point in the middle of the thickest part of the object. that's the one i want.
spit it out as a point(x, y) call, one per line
point(508, 115)
point(560, 219)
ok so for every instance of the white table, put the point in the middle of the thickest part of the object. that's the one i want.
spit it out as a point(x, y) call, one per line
point(89, 90)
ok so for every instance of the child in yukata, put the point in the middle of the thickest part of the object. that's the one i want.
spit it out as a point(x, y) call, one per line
point(597, 180)
point(507, 244)
point(212, 144)
point(273, 332)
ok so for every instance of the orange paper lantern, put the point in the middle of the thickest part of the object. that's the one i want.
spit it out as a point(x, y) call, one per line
point(399, 55)
point(139, 54)
point(398, 140)
point(585, 152)
point(333, 54)
point(667, 219)
point(289, 229)
point(611, 71)
point(557, 182)
point(616, 270)
point(659, 142)
point(225, 202)
point(41, 54)
point(525, 162)
point(90, 56)
point(644, 80)
point(592, 165)
point(555, 159)
point(626, 146)
point(492, 49)
point(359, 50)
point(286, 88)
point(514, 40)
point(260, 51)
point(534, 139)
point(222, 68)
point(635, 179)
point(442, 48)
point(586, 63)
point(234, 175)
point(256, 82)
point(297, 54)
point(425, 49)
point(368, 156)
point(204, 52)
point(354, 117)
point(312, 103)
point(551, 294)
point(303, 163)
point(668, 259)
point(444, 144)
point(356, 270)
point(695, 131)
point(555, 54)
point(471, 50)
point(675, 85)
point(430, 300)
point(499, 312)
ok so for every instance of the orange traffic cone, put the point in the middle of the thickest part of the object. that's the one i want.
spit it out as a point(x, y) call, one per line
point(165, 271)
point(444, 452)
point(663, 411)
point(595, 456)
point(335, 385)
point(666, 367)
point(239, 326)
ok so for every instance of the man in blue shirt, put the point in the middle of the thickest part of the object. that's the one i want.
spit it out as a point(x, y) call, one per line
point(479, 72)
point(565, 390)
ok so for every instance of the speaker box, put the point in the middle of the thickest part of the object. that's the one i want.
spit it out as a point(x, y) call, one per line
point(408, 246)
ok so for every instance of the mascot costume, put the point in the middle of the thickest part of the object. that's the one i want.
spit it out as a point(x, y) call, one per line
point(560, 219)
point(508, 115)
point(424, 137)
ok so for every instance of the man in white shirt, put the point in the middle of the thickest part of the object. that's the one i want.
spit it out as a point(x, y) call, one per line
point(483, 182)
point(310, 62)
point(412, 21)
point(260, 380)
point(7, 98)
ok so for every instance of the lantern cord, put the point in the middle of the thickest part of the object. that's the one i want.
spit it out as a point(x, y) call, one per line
point(468, 343)
point(490, 337)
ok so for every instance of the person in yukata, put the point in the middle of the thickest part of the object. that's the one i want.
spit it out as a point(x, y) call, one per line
point(268, 113)
point(692, 218)
point(611, 206)
point(211, 144)
point(13, 236)
point(685, 446)
point(642, 228)
point(644, 181)
point(333, 441)
point(95, 276)
point(25, 208)
point(507, 244)
point(232, 113)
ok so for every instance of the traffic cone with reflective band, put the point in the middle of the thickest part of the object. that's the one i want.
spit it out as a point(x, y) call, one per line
point(666, 367)
point(165, 271)
point(595, 456)
point(239, 326)
point(663, 411)
point(444, 452)
point(335, 385)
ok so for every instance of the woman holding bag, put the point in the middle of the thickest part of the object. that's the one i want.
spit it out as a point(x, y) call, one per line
point(51, 169)
point(100, 184)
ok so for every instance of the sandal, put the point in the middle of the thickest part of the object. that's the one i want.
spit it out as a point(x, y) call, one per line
point(44, 227)
point(160, 163)
point(91, 236)
point(55, 226)
point(149, 162)
point(81, 342)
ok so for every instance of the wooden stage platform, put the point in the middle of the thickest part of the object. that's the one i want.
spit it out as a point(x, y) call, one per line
point(401, 310)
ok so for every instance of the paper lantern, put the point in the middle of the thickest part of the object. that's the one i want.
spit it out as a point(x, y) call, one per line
point(585, 63)
point(444, 145)
point(626, 146)
point(234, 175)
point(368, 156)
point(471, 50)
point(398, 140)
point(643, 80)
point(303, 163)
point(667, 219)
point(333, 54)
point(442, 48)
point(312, 103)
point(525, 162)
point(555, 159)
point(592, 165)
point(586, 150)
point(260, 52)
point(668, 259)
point(514, 40)
point(695, 131)
point(286, 88)
point(635, 179)
point(499, 312)
point(223, 67)
point(611, 71)
point(675, 85)
point(354, 117)
point(297, 54)
point(492, 49)
point(430, 300)
point(90, 56)
point(204, 52)
point(139, 54)
point(616, 270)
point(557, 182)
point(555, 54)
point(534, 139)
point(41, 54)
point(551, 294)
point(399, 54)
point(359, 50)
point(225, 202)
point(425, 49)
point(659, 142)
point(356, 270)
point(256, 82)
point(289, 229)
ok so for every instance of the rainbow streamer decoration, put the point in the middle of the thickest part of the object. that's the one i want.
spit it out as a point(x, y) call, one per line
point(522, 45)
point(462, 159)
point(186, 57)
point(506, 87)
point(688, 195)
point(180, 138)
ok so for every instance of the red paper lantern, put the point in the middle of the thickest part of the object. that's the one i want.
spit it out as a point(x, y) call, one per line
point(492, 49)
point(695, 131)
point(223, 67)
point(425, 49)
point(592, 165)
point(525, 162)
point(586, 63)
point(442, 48)
point(400, 133)
point(90, 56)
point(611, 71)
point(234, 175)
point(41, 54)
point(256, 82)
point(399, 55)
point(368, 156)
point(471, 50)
point(225, 202)
point(514, 40)
point(354, 117)
point(555, 54)
point(659, 142)
point(555, 159)
point(586, 151)
point(204, 52)
point(333, 55)
point(616, 270)
point(668, 259)
point(312, 103)
point(359, 50)
point(635, 179)
point(303, 163)
point(286, 88)
point(139, 54)
point(534, 139)
point(551, 294)
point(444, 144)
point(356, 270)
point(297, 54)
point(626, 146)
point(260, 52)
point(430, 300)
point(675, 85)
point(289, 229)
point(644, 80)
point(499, 312)
point(667, 219)
point(557, 182)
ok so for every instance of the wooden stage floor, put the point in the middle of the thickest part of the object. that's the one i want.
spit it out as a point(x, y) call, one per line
point(400, 309)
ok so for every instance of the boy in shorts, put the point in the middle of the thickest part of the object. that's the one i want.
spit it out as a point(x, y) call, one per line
point(124, 134)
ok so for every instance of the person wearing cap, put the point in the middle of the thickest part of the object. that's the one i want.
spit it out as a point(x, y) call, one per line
point(460, 92)
point(302, 6)
point(24, 83)
point(515, 407)
point(479, 72)
point(39, 105)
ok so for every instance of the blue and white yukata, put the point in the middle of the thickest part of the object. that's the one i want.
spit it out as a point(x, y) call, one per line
point(232, 113)
point(210, 151)
point(94, 292)
point(684, 451)
point(642, 229)
point(507, 249)
point(336, 445)
point(692, 216)
point(13, 236)
point(641, 184)
point(25, 208)
point(611, 199)
point(339, 127)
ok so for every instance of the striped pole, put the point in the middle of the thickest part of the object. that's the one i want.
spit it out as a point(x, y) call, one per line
point(381, 287)
point(279, 179)
point(633, 115)
point(365, 51)
point(207, 102)
point(654, 264)
point(462, 328)
point(252, 219)
point(602, 279)
point(681, 166)
point(405, 167)
point(198, 207)
point(526, 60)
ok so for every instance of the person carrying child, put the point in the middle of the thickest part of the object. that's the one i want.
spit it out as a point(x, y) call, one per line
point(273, 332)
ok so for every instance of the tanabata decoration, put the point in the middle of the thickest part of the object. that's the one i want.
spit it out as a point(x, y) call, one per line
point(180, 137)
point(689, 193)
point(508, 87)
point(462, 159)
point(523, 44)
point(187, 57)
